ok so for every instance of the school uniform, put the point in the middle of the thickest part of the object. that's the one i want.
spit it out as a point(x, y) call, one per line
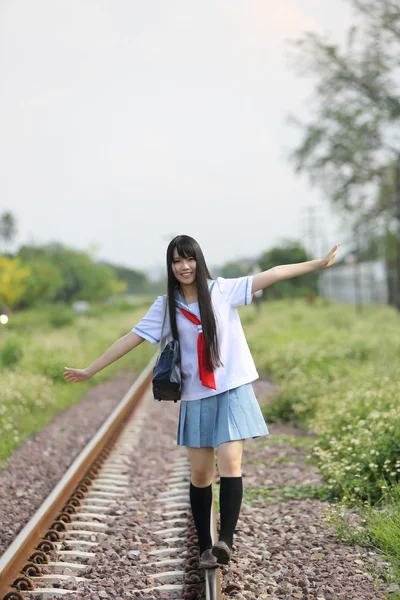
point(209, 417)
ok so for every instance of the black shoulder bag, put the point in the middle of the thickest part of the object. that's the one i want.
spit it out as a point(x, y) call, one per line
point(167, 371)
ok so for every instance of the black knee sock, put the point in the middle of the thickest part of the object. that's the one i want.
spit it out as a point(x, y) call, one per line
point(230, 500)
point(200, 500)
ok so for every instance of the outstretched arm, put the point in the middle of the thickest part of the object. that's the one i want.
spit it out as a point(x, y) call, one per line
point(119, 348)
point(281, 272)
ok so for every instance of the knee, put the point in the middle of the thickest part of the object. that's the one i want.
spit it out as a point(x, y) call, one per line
point(229, 468)
point(201, 477)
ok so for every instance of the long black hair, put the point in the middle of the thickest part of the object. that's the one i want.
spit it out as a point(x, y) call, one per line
point(187, 247)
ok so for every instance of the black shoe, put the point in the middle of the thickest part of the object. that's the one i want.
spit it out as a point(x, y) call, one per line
point(222, 552)
point(208, 561)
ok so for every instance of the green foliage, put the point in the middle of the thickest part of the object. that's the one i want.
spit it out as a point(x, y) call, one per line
point(54, 272)
point(287, 253)
point(34, 391)
point(49, 362)
point(351, 145)
point(43, 284)
point(14, 277)
point(78, 276)
point(339, 378)
point(376, 527)
point(136, 281)
point(10, 352)
point(34, 319)
point(8, 227)
point(384, 527)
point(24, 397)
point(234, 269)
point(60, 316)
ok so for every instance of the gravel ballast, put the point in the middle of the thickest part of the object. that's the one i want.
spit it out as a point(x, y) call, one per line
point(283, 549)
point(37, 465)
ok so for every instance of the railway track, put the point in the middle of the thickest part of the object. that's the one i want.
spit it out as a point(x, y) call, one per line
point(51, 557)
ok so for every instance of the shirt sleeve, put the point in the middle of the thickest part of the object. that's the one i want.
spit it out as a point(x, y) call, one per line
point(149, 327)
point(237, 292)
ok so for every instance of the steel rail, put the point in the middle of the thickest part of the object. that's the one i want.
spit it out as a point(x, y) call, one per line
point(16, 555)
point(213, 576)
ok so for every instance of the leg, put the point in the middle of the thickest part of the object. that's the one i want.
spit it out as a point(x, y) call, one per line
point(231, 492)
point(229, 456)
point(202, 465)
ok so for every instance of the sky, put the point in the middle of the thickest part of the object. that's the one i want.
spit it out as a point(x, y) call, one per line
point(124, 123)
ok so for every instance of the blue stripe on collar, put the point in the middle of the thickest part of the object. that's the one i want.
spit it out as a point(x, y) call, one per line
point(180, 301)
point(183, 305)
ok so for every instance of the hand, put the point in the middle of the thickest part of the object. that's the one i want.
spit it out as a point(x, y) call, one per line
point(76, 375)
point(330, 257)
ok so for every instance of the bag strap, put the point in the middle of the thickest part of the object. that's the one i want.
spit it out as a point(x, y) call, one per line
point(163, 340)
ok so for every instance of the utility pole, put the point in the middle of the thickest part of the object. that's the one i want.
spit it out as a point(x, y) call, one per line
point(311, 228)
point(397, 202)
point(313, 236)
point(357, 270)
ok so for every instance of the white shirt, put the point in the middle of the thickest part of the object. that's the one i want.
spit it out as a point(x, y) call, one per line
point(238, 365)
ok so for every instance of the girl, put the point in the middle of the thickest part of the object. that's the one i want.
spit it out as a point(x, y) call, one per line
point(218, 409)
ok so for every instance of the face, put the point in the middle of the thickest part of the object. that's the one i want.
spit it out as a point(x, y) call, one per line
point(184, 269)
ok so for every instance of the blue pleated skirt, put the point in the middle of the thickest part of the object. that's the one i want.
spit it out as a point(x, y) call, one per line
point(231, 415)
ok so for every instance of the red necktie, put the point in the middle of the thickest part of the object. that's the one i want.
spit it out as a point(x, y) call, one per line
point(206, 376)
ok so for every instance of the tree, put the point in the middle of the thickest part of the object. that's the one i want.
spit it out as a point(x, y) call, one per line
point(81, 277)
point(234, 269)
point(287, 253)
point(43, 284)
point(8, 228)
point(351, 147)
point(136, 281)
point(14, 277)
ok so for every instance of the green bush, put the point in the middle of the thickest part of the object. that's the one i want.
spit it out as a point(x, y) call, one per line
point(358, 451)
point(11, 353)
point(339, 378)
point(61, 317)
point(53, 370)
point(24, 398)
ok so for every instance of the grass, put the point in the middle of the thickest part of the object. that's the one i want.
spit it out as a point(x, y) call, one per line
point(376, 527)
point(277, 459)
point(303, 443)
point(339, 379)
point(300, 491)
point(338, 376)
point(33, 390)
